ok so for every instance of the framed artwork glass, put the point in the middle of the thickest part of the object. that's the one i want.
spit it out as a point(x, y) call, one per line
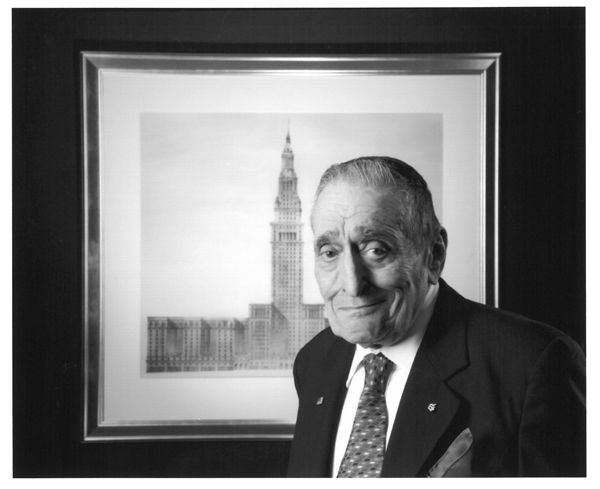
point(199, 176)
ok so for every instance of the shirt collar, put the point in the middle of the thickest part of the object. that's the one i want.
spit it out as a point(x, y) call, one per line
point(403, 353)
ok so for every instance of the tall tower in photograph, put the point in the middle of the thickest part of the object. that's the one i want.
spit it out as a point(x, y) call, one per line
point(273, 333)
point(286, 244)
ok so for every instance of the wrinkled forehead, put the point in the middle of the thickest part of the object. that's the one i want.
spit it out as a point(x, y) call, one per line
point(342, 203)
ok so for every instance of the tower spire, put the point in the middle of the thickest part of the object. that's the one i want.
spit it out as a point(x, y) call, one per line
point(287, 157)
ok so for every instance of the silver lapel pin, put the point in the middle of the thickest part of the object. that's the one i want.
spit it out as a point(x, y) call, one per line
point(432, 407)
point(320, 400)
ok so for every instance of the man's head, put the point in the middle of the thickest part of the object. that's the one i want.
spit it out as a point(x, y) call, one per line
point(378, 247)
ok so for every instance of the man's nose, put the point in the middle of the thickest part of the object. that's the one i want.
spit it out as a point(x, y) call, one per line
point(353, 274)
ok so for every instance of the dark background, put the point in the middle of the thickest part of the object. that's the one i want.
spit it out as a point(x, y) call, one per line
point(542, 191)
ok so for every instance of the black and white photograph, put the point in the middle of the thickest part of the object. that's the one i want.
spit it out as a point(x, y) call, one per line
point(199, 281)
point(299, 242)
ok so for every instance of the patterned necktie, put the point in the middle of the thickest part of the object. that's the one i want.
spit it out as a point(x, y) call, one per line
point(366, 447)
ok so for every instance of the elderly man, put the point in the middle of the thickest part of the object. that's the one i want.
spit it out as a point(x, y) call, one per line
point(411, 379)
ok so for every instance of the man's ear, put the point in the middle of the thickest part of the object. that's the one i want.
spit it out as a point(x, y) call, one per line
point(437, 256)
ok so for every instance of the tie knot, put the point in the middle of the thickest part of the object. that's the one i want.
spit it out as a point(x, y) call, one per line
point(377, 370)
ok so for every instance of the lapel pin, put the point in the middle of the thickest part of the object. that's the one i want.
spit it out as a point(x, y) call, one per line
point(432, 407)
point(320, 400)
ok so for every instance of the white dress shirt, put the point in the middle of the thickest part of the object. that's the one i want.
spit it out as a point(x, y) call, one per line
point(402, 355)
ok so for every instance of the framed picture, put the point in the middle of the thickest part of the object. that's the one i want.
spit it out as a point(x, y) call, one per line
point(199, 178)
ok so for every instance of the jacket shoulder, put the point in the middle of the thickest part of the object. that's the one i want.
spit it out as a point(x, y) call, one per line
point(316, 349)
point(321, 354)
point(498, 327)
point(511, 341)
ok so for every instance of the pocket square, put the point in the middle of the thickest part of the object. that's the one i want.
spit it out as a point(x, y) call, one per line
point(456, 461)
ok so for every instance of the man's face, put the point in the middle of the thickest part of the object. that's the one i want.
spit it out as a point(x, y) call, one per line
point(372, 279)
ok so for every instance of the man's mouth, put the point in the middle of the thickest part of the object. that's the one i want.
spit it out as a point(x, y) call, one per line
point(361, 307)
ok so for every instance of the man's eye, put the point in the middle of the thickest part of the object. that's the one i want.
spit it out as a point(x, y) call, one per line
point(375, 251)
point(327, 253)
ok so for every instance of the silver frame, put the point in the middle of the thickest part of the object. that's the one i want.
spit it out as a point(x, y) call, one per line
point(487, 65)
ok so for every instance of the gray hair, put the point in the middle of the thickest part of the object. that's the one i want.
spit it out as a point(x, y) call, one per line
point(417, 219)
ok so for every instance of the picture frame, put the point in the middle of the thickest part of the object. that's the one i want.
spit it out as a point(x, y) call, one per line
point(135, 105)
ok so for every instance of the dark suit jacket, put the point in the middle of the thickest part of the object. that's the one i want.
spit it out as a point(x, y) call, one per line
point(515, 387)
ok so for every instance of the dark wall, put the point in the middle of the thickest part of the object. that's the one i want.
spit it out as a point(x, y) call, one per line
point(542, 179)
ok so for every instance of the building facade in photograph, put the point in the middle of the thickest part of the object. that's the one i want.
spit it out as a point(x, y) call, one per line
point(272, 334)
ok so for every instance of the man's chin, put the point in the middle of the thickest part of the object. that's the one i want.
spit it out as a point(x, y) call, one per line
point(362, 341)
point(362, 337)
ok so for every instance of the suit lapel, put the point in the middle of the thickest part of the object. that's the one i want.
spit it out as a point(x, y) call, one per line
point(428, 406)
point(326, 399)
